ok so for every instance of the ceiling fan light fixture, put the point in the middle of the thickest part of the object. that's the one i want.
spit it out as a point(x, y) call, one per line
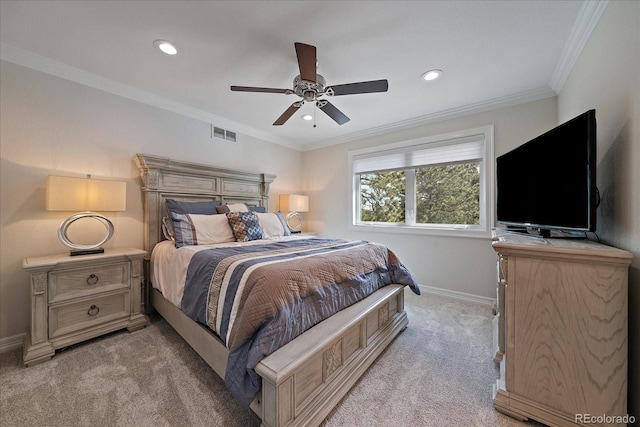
point(307, 117)
point(310, 86)
point(431, 75)
point(166, 47)
point(309, 95)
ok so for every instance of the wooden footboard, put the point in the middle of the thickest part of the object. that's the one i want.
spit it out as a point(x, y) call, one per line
point(304, 380)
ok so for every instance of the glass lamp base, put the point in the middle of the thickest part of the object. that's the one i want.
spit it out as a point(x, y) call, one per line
point(294, 222)
point(77, 249)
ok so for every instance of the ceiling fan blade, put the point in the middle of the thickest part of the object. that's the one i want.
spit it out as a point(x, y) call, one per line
point(260, 89)
point(290, 111)
point(332, 111)
point(361, 87)
point(306, 61)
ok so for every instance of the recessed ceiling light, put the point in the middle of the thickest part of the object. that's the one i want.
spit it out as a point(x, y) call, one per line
point(307, 117)
point(166, 47)
point(431, 75)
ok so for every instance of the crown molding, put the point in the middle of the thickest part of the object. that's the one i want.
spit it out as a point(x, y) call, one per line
point(46, 65)
point(466, 110)
point(588, 18)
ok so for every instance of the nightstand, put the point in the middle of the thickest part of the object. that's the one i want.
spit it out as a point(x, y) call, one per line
point(74, 298)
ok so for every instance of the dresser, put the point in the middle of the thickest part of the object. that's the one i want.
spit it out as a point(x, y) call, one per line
point(74, 298)
point(560, 330)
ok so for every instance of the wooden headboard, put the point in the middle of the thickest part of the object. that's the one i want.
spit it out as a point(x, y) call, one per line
point(164, 178)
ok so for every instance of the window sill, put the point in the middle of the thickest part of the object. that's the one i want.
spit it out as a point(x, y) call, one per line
point(427, 231)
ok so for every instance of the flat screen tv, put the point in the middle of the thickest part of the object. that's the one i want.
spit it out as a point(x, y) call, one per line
point(549, 183)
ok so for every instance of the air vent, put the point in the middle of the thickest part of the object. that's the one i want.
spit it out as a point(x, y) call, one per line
point(220, 133)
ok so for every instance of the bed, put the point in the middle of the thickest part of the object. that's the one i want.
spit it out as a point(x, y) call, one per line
point(304, 379)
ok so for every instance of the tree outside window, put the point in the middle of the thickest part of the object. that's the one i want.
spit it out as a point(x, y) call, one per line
point(382, 196)
point(448, 194)
point(445, 194)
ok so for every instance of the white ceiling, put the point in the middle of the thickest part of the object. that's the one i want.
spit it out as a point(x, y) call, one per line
point(492, 53)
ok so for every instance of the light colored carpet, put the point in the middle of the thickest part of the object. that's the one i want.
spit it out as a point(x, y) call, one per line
point(438, 372)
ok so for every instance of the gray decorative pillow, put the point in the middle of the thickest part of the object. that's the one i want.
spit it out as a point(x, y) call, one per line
point(200, 208)
point(179, 207)
point(245, 226)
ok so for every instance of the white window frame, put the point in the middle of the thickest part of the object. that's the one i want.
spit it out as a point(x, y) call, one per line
point(487, 187)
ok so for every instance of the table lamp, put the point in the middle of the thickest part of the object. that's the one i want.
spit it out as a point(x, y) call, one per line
point(294, 204)
point(86, 195)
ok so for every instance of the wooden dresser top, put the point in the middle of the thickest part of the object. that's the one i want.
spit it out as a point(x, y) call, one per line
point(514, 243)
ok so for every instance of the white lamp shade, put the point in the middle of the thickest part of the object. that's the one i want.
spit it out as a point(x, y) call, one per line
point(294, 203)
point(83, 194)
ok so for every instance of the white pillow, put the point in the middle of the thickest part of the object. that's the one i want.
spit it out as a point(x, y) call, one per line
point(272, 224)
point(237, 207)
point(211, 229)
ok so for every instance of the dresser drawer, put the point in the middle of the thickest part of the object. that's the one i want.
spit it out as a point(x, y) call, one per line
point(75, 283)
point(89, 312)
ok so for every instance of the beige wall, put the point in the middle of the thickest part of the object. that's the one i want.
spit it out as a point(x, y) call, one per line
point(607, 77)
point(452, 263)
point(53, 126)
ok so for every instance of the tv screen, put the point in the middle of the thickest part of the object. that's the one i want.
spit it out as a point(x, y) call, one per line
point(549, 183)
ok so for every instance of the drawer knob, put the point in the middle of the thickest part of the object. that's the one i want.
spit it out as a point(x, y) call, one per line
point(93, 310)
point(92, 280)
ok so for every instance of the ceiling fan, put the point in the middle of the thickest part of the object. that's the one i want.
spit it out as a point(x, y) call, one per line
point(311, 86)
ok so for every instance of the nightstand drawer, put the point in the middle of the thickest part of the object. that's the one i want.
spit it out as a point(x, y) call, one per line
point(67, 318)
point(67, 284)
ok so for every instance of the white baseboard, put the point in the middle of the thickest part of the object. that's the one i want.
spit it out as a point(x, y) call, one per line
point(458, 295)
point(11, 343)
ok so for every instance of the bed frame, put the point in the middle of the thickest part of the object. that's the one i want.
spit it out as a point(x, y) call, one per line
point(304, 380)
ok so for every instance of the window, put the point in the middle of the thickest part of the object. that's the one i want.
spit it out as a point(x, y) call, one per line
point(438, 185)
